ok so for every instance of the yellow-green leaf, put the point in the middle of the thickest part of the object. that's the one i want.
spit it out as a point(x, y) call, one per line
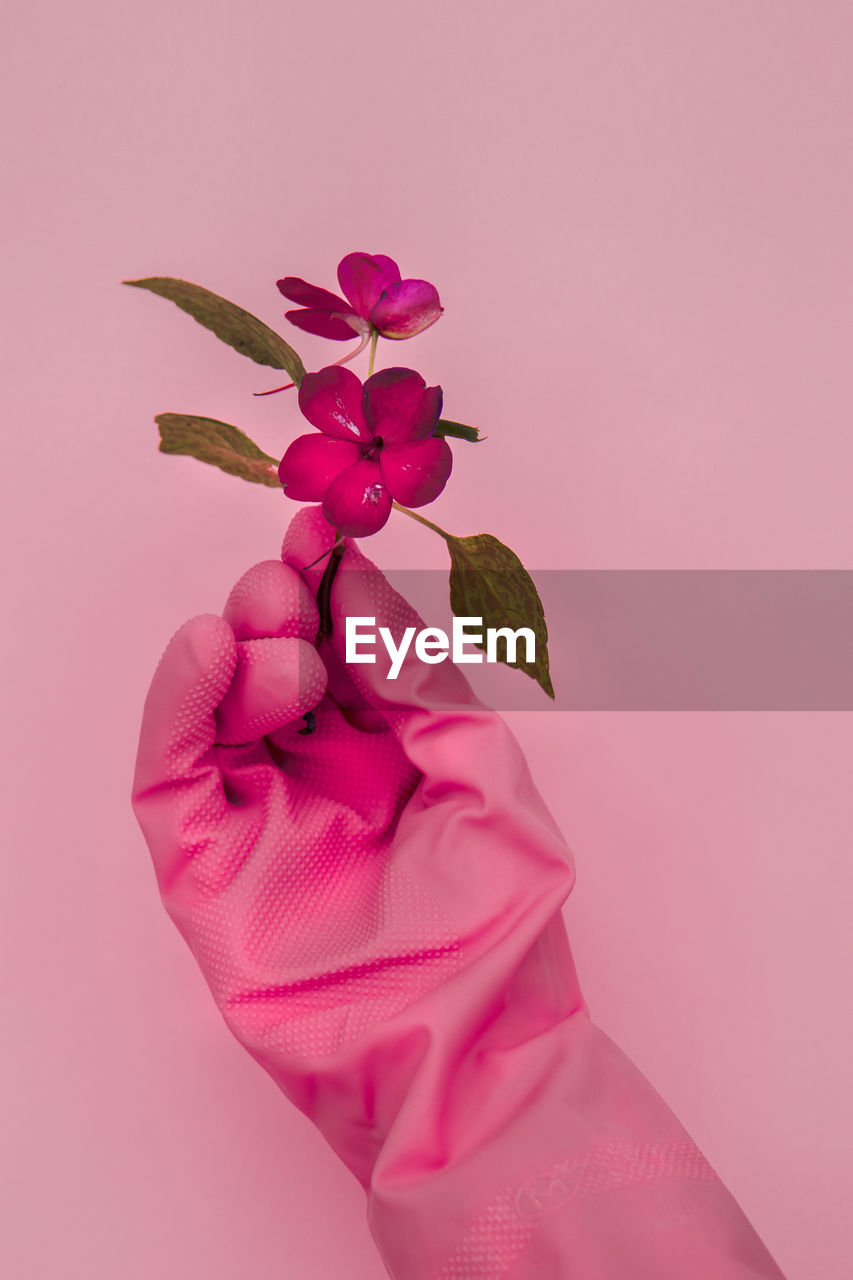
point(488, 581)
point(218, 443)
point(231, 324)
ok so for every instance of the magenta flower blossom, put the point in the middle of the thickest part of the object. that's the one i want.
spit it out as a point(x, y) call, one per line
point(377, 300)
point(376, 443)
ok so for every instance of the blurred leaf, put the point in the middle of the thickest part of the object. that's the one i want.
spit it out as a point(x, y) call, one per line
point(444, 427)
point(242, 331)
point(488, 581)
point(218, 443)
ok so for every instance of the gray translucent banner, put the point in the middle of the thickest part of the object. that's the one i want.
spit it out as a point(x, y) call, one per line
point(671, 640)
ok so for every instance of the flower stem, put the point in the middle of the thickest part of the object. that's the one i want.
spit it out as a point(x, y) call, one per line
point(372, 356)
point(422, 520)
point(351, 355)
point(324, 590)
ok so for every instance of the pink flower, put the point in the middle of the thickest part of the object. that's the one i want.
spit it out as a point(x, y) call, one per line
point(376, 443)
point(377, 300)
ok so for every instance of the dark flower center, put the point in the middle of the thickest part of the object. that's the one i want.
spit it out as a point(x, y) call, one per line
point(372, 450)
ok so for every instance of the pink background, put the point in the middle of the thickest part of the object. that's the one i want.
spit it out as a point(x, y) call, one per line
point(638, 216)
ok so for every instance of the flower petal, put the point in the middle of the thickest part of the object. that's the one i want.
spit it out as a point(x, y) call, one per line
point(311, 463)
point(399, 406)
point(417, 472)
point(310, 295)
point(363, 276)
point(325, 324)
point(331, 400)
point(387, 264)
point(406, 308)
point(357, 502)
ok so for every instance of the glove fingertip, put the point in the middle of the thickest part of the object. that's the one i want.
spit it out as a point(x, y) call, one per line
point(309, 535)
point(271, 599)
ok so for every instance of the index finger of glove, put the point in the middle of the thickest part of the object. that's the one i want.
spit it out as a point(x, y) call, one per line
point(279, 675)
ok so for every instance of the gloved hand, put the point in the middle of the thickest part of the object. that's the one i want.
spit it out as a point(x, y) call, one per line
point(376, 908)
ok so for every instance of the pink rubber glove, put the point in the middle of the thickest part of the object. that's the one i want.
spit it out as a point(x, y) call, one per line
point(376, 908)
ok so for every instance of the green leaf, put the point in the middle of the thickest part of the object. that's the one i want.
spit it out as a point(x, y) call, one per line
point(218, 443)
point(488, 581)
point(444, 427)
point(242, 331)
